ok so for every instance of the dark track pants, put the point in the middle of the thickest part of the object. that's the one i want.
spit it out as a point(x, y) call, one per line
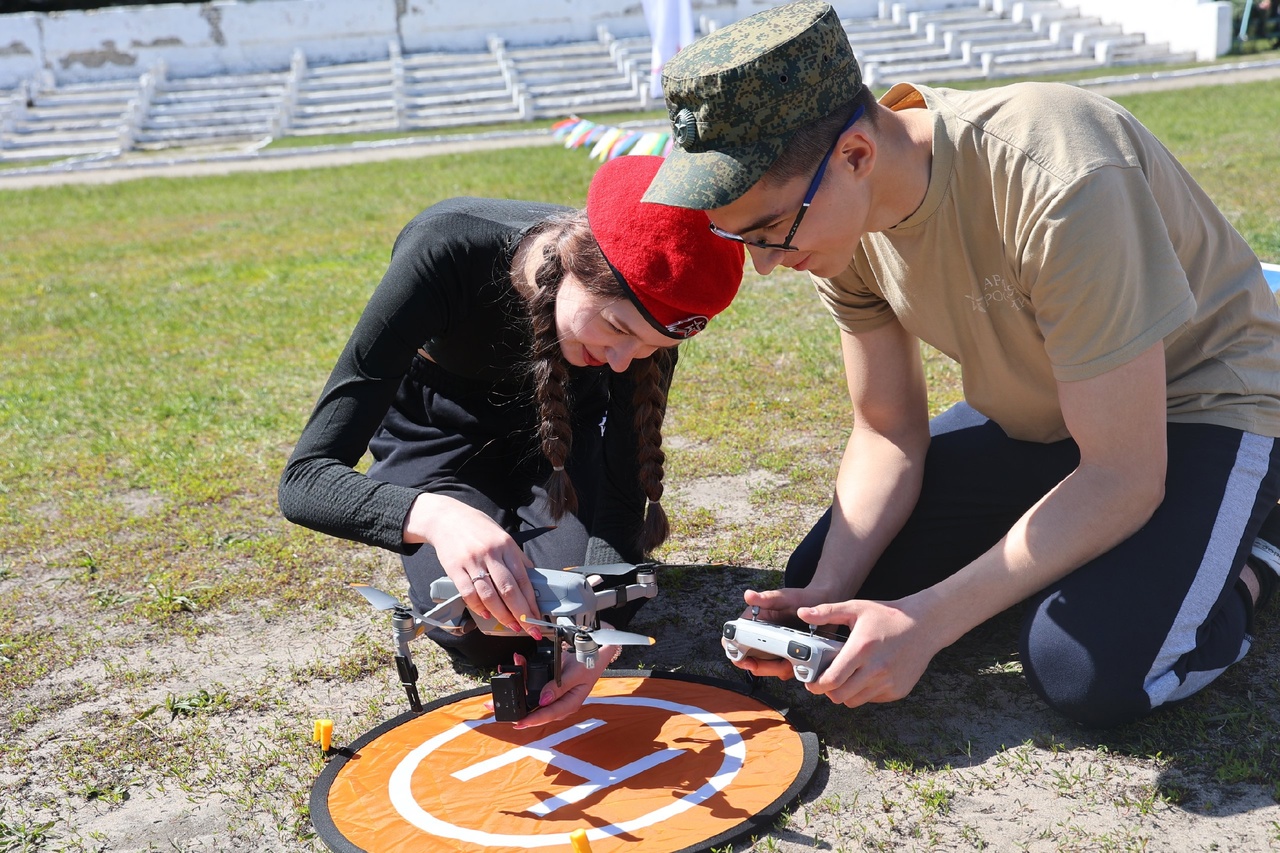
point(1150, 622)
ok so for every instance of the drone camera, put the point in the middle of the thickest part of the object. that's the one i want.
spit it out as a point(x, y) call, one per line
point(510, 699)
point(517, 687)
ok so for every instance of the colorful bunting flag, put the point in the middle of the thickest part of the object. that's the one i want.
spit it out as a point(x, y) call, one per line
point(604, 142)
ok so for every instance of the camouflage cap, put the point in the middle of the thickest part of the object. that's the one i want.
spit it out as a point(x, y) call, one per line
point(737, 96)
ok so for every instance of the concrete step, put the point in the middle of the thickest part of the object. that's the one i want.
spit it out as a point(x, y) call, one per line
point(432, 122)
point(324, 96)
point(918, 22)
point(53, 151)
point(1031, 49)
point(77, 112)
point(225, 81)
point(99, 138)
point(863, 26)
point(562, 81)
point(877, 74)
point(1152, 54)
point(996, 32)
point(209, 119)
point(585, 87)
point(887, 35)
point(178, 107)
point(343, 83)
point(461, 76)
point(558, 52)
point(1083, 40)
point(309, 111)
point(1033, 57)
point(1042, 19)
point(447, 60)
point(242, 94)
point(59, 99)
point(102, 89)
point(951, 74)
point(589, 65)
point(892, 44)
point(453, 89)
point(493, 96)
point(1023, 10)
point(560, 104)
point(905, 54)
point(352, 125)
point(1044, 68)
point(68, 126)
point(460, 113)
point(168, 137)
point(350, 69)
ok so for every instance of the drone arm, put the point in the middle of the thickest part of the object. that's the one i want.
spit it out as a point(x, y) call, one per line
point(450, 615)
point(618, 596)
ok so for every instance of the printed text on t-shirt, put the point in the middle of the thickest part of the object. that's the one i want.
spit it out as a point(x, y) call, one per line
point(996, 290)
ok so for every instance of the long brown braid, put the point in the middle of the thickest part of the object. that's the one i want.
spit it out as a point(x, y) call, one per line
point(572, 250)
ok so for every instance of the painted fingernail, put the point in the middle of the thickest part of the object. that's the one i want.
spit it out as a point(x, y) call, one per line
point(546, 698)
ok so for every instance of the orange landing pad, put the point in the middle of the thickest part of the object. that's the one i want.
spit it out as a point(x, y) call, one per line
point(652, 762)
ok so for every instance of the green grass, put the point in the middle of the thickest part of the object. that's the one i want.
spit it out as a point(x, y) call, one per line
point(163, 342)
point(535, 125)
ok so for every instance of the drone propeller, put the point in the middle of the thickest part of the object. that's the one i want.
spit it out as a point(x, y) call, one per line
point(379, 599)
point(604, 636)
point(611, 637)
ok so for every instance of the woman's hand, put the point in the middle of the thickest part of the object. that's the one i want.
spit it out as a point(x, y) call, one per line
point(486, 565)
point(558, 701)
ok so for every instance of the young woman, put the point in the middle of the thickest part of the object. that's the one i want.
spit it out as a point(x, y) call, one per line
point(508, 375)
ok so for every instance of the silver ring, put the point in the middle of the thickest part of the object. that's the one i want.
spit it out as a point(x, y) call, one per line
point(480, 577)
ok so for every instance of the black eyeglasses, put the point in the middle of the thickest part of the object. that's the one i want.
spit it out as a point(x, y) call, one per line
point(785, 245)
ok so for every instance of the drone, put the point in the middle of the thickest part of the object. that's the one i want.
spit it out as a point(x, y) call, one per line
point(567, 602)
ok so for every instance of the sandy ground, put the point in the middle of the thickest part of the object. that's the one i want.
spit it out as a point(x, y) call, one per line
point(971, 760)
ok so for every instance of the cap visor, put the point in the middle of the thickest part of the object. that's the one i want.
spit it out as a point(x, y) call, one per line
point(709, 179)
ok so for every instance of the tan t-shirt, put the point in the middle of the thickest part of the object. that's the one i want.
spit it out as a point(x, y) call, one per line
point(1059, 239)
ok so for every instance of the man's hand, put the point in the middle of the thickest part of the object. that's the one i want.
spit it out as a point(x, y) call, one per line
point(887, 651)
point(777, 607)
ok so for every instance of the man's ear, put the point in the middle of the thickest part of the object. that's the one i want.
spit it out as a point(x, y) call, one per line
point(856, 149)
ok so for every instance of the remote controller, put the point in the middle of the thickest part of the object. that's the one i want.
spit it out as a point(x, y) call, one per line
point(808, 653)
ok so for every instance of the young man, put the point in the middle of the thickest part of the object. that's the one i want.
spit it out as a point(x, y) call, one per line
point(1116, 456)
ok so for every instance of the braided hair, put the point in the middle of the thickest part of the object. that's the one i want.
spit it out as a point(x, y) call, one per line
point(570, 249)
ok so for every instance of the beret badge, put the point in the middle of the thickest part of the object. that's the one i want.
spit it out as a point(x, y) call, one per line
point(684, 128)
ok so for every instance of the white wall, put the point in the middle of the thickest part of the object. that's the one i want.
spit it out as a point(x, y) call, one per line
point(1203, 26)
point(21, 47)
point(462, 25)
point(212, 38)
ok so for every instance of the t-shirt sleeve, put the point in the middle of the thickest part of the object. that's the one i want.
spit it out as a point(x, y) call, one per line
point(423, 287)
point(1102, 274)
point(854, 304)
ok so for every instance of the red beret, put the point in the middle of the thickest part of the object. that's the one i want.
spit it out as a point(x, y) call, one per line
point(677, 273)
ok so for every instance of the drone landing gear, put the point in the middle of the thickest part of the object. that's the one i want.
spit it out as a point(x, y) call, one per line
point(517, 687)
point(405, 630)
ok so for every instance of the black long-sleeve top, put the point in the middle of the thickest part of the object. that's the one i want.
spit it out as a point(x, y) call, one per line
point(447, 291)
